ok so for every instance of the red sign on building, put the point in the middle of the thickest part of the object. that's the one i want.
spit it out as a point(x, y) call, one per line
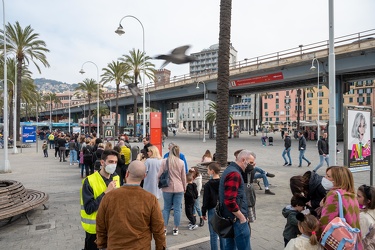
point(257, 79)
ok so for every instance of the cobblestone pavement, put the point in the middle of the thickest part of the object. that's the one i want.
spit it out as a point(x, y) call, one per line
point(59, 226)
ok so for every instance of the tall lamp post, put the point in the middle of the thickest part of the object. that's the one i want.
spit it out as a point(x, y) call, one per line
point(6, 167)
point(314, 68)
point(204, 108)
point(97, 101)
point(120, 31)
point(69, 112)
point(50, 112)
point(332, 87)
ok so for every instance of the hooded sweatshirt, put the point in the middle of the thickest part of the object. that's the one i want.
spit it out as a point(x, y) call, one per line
point(210, 195)
point(291, 228)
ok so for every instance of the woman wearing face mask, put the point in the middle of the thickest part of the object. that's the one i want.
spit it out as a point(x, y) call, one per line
point(343, 182)
point(366, 200)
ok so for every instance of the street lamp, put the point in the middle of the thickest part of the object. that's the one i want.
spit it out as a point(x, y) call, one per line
point(204, 108)
point(120, 31)
point(69, 111)
point(97, 101)
point(313, 68)
point(6, 167)
point(332, 87)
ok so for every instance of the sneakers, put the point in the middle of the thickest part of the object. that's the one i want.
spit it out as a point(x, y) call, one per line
point(165, 232)
point(193, 227)
point(189, 225)
point(309, 164)
point(270, 175)
point(285, 164)
point(290, 164)
point(269, 192)
point(299, 166)
point(201, 223)
point(175, 231)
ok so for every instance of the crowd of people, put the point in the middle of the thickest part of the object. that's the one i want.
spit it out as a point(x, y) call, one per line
point(113, 177)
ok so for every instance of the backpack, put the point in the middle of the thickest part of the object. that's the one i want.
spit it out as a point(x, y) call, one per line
point(338, 234)
point(87, 155)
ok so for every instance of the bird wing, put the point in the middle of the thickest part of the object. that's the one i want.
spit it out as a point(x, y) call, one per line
point(134, 89)
point(180, 50)
point(162, 57)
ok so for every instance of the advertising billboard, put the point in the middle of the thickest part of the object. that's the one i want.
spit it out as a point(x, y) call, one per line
point(358, 138)
point(28, 134)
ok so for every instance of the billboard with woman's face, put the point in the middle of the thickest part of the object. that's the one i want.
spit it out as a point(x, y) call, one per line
point(358, 129)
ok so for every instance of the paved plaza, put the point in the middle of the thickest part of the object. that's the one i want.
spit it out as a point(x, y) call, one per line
point(59, 227)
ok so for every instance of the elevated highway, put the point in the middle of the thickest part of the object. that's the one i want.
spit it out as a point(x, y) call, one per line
point(288, 69)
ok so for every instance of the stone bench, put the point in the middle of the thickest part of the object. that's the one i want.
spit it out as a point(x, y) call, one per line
point(16, 200)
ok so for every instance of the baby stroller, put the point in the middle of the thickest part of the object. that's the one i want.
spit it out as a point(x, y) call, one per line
point(270, 141)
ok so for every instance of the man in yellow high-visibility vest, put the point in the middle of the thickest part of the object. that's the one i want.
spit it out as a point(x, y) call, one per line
point(94, 187)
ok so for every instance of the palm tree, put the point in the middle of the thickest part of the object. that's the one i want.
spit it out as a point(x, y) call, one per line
point(117, 72)
point(51, 98)
point(90, 86)
point(27, 46)
point(138, 62)
point(223, 80)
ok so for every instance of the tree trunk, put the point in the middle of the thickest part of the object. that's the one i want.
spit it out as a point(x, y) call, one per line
point(19, 97)
point(89, 116)
point(116, 118)
point(135, 115)
point(11, 113)
point(222, 115)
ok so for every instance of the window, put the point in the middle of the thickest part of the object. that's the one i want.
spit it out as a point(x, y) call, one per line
point(276, 113)
point(287, 112)
point(310, 111)
point(360, 91)
point(321, 94)
point(368, 91)
point(277, 106)
point(265, 105)
point(360, 99)
point(320, 102)
point(350, 99)
point(277, 100)
point(266, 113)
point(310, 102)
point(309, 95)
point(368, 100)
point(320, 110)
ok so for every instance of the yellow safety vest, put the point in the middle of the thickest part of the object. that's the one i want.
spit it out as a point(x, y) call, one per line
point(88, 221)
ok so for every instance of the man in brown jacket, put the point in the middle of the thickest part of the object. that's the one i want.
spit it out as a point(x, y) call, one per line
point(129, 217)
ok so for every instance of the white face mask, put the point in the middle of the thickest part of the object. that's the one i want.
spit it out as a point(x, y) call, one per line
point(110, 168)
point(327, 184)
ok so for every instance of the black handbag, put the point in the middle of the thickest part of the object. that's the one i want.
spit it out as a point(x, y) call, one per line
point(164, 177)
point(222, 226)
point(250, 193)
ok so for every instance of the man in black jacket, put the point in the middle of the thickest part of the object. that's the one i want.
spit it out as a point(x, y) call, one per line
point(323, 151)
point(288, 147)
point(61, 143)
point(302, 149)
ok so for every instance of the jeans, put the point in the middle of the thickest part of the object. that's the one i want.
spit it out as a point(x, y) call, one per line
point(302, 156)
point(197, 208)
point(62, 151)
point(322, 159)
point(213, 235)
point(287, 152)
point(260, 173)
point(83, 168)
point(241, 238)
point(176, 200)
point(51, 144)
point(73, 156)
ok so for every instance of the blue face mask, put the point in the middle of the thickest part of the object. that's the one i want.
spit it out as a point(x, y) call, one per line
point(211, 176)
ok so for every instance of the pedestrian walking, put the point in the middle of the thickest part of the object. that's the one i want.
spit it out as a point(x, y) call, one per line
point(287, 148)
point(45, 149)
point(302, 149)
point(323, 151)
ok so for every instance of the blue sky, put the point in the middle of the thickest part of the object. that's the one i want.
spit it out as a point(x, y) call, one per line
point(80, 30)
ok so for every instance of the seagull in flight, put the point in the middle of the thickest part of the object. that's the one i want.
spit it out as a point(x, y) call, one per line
point(134, 89)
point(177, 56)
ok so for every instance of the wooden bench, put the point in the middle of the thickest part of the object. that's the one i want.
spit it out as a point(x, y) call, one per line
point(16, 200)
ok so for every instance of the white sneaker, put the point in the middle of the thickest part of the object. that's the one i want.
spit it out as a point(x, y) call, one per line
point(175, 232)
point(189, 225)
point(193, 227)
